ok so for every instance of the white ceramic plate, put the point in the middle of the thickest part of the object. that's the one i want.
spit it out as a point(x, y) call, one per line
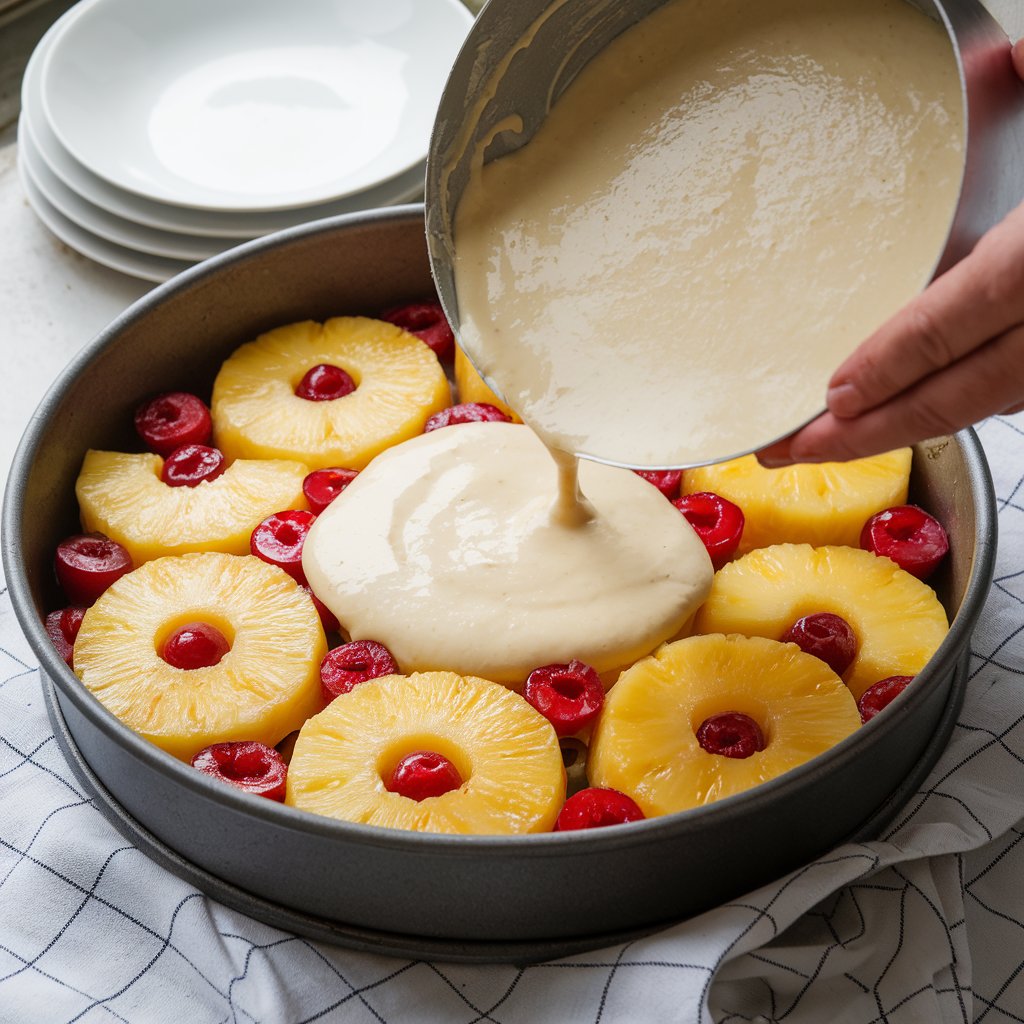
point(249, 105)
point(406, 187)
point(127, 261)
point(106, 225)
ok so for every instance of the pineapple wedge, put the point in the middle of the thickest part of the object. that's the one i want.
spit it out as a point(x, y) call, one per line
point(505, 751)
point(265, 687)
point(645, 744)
point(471, 387)
point(898, 621)
point(121, 495)
point(806, 504)
point(256, 413)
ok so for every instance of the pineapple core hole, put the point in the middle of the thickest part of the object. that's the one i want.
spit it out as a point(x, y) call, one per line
point(206, 615)
point(726, 704)
point(412, 742)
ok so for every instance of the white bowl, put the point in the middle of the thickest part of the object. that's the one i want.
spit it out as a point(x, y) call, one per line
point(249, 105)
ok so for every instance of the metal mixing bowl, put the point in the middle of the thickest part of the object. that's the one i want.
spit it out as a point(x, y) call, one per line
point(521, 55)
point(451, 897)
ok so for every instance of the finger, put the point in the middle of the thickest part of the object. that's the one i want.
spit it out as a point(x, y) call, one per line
point(986, 382)
point(1018, 57)
point(979, 298)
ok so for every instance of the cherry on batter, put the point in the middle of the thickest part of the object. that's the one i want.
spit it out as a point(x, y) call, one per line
point(717, 521)
point(88, 563)
point(466, 412)
point(427, 321)
point(350, 664)
point(322, 486)
point(168, 421)
point(569, 696)
point(668, 481)
point(731, 734)
point(596, 808)
point(908, 535)
point(279, 540)
point(251, 766)
point(192, 464)
point(423, 774)
point(826, 636)
point(62, 628)
point(325, 382)
point(880, 695)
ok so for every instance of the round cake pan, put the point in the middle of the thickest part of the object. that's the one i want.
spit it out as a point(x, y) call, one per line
point(500, 896)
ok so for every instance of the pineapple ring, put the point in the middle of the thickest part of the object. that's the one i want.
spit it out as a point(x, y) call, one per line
point(645, 744)
point(506, 752)
point(122, 496)
point(256, 413)
point(265, 687)
point(898, 620)
point(806, 504)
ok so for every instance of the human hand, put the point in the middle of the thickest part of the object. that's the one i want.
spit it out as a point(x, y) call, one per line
point(951, 357)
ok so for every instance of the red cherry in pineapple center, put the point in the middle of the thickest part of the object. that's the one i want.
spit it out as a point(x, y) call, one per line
point(826, 636)
point(423, 774)
point(192, 464)
point(325, 382)
point(731, 734)
point(195, 645)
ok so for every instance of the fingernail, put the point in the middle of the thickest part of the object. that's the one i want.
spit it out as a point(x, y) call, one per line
point(844, 401)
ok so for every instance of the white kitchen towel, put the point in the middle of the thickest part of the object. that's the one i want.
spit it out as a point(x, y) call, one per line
point(924, 925)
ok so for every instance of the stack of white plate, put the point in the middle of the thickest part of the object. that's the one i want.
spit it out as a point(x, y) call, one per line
point(157, 134)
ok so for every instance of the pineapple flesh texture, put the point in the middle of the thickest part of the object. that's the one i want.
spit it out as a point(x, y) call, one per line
point(507, 754)
point(121, 495)
point(806, 504)
point(645, 744)
point(898, 621)
point(256, 413)
point(265, 687)
point(472, 388)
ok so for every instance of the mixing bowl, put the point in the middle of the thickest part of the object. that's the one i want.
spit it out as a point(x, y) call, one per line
point(521, 55)
point(451, 897)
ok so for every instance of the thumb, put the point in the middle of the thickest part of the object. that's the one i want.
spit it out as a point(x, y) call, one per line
point(1018, 57)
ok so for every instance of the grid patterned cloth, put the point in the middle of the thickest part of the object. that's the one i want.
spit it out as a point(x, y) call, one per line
point(924, 925)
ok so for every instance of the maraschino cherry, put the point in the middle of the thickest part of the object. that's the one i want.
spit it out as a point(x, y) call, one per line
point(88, 563)
point(423, 774)
point(279, 540)
point(466, 412)
point(324, 383)
point(62, 628)
point(195, 645)
point(353, 663)
point(192, 464)
point(826, 636)
point(596, 808)
point(908, 535)
point(717, 521)
point(247, 764)
point(569, 696)
point(668, 481)
point(168, 421)
point(731, 734)
point(427, 321)
point(880, 695)
point(322, 486)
